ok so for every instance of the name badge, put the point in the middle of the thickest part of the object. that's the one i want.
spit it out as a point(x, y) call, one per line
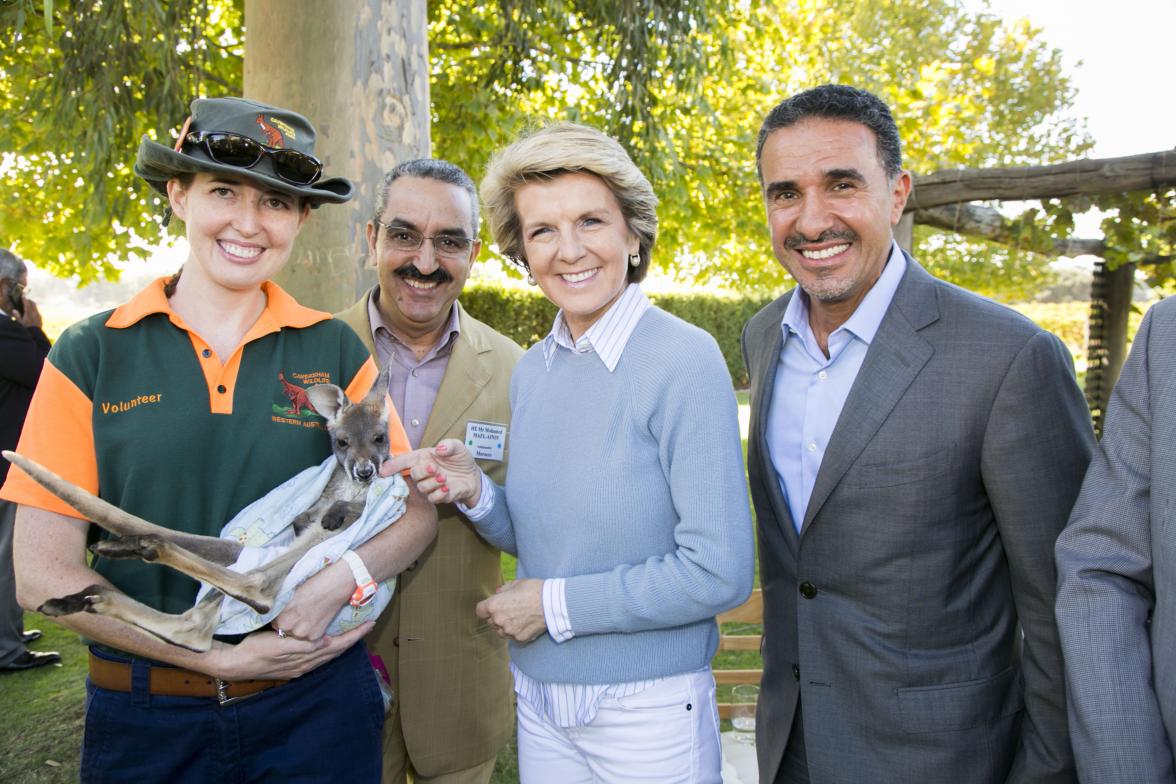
point(486, 440)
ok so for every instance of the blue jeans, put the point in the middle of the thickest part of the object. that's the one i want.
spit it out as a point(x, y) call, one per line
point(324, 726)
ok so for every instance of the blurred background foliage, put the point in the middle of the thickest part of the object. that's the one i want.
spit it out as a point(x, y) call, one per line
point(682, 83)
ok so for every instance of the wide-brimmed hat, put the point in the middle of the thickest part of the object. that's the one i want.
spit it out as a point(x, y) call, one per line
point(269, 126)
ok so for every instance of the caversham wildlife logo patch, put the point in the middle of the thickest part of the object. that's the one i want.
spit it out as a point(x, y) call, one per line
point(295, 407)
point(273, 137)
point(286, 129)
point(123, 406)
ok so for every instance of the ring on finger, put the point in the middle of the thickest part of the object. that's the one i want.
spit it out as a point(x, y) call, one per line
point(281, 633)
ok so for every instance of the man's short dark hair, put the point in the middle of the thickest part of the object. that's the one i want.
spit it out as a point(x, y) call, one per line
point(429, 169)
point(837, 102)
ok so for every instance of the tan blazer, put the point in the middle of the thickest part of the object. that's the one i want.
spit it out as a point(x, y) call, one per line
point(449, 670)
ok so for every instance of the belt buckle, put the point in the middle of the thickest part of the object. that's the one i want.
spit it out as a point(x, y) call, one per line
point(222, 694)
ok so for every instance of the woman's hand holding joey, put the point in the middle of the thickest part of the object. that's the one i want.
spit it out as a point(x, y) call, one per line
point(443, 474)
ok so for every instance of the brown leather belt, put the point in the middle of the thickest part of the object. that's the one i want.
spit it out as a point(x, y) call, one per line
point(174, 682)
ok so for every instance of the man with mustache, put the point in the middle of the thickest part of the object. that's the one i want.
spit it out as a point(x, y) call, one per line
point(914, 451)
point(449, 378)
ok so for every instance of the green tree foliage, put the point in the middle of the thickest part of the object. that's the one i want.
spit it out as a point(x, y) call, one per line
point(78, 89)
point(1141, 228)
point(682, 83)
point(966, 90)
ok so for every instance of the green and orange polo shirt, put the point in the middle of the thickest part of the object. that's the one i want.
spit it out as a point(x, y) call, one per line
point(137, 408)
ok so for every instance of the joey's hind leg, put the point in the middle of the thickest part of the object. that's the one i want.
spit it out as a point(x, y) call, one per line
point(222, 552)
point(145, 548)
point(192, 629)
point(245, 587)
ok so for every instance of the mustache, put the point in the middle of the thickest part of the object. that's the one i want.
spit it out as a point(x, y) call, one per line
point(794, 241)
point(438, 275)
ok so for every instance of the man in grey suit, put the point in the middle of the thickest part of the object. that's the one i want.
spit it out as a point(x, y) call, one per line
point(1117, 575)
point(914, 451)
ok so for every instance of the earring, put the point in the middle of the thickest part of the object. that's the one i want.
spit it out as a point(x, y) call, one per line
point(530, 279)
point(635, 260)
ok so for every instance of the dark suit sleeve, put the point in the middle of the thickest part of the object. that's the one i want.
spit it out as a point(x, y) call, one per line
point(1106, 594)
point(1037, 445)
point(22, 352)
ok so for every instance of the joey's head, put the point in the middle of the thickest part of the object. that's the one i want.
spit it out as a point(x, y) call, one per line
point(359, 431)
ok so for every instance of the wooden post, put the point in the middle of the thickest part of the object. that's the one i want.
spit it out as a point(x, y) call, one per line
point(358, 69)
point(1110, 305)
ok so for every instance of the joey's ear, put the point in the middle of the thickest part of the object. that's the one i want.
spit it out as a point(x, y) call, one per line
point(328, 400)
point(378, 390)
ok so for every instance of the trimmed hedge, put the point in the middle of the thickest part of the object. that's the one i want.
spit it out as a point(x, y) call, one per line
point(526, 316)
point(522, 315)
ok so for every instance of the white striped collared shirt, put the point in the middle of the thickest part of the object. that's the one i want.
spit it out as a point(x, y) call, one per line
point(608, 336)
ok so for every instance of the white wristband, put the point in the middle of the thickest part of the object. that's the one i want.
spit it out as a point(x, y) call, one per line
point(365, 586)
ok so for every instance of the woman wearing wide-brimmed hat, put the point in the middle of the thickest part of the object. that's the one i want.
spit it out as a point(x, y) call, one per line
point(176, 407)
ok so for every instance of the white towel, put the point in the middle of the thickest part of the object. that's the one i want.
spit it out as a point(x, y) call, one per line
point(264, 528)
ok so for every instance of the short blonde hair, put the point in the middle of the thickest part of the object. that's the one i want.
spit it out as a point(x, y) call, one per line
point(564, 148)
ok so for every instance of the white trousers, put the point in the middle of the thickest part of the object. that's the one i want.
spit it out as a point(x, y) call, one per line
point(668, 733)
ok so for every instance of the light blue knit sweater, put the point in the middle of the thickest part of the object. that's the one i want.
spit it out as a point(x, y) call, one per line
point(629, 484)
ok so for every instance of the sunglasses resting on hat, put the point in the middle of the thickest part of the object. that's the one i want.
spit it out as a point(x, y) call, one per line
point(233, 149)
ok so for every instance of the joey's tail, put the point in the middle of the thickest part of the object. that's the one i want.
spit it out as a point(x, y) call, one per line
point(89, 505)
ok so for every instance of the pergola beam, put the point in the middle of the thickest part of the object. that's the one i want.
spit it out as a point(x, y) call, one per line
point(976, 220)
point(1088, 176)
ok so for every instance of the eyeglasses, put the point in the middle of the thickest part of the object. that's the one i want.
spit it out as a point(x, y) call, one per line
point(232, 149)
point(449, 246)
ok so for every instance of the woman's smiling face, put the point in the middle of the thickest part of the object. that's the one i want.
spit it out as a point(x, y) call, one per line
point(577, 244)
point(239, 234)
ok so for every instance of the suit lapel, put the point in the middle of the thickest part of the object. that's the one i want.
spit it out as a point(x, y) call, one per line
point(895, 358)
point(769, 360)
point(465, 376)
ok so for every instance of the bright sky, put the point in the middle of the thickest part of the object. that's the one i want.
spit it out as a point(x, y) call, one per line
point(1115, 56)
point(1119, 58)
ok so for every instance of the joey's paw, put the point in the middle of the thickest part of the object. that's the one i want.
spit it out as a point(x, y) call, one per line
point(65, 605)
point(340, 514)
point(82, 601)
point(145, 548)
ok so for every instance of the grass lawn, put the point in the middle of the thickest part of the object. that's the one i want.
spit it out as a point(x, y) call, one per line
point(41, 728)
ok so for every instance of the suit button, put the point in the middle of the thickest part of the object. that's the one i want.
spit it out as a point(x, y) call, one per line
point(808, 590)
point(796, 671)
point(396, 641)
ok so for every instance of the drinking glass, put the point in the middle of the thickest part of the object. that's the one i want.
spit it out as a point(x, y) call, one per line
point(743, 699)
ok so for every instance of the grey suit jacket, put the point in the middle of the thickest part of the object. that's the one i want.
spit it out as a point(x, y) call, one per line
point(1117, 575)
point(895, 616)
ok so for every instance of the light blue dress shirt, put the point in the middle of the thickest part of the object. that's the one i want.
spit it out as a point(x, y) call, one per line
point(810, 388)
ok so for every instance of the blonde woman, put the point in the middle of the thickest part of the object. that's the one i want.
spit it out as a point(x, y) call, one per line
point(625, 499)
